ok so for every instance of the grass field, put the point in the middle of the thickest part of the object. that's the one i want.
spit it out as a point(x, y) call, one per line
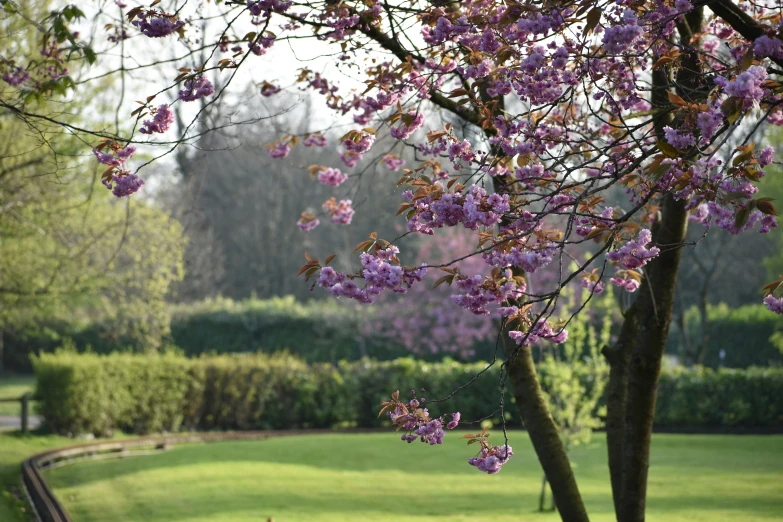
point(378, 478)
point(14, 448)
point(13, 386)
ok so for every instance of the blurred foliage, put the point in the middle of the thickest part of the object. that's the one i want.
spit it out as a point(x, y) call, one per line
point(332, 331)
point(574, 375)
point(143, 393)
point(72, 254)
point(749, 335)
point(771, 186)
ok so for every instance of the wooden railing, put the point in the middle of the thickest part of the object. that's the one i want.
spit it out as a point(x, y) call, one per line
point(24, 405)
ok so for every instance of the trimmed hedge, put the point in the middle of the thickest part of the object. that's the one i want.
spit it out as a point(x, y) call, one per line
point(746, 335)
point(331, 331)
point(100, 394)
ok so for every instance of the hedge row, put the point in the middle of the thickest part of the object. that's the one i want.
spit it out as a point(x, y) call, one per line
point(317, 331)
point(330, 331)
point(99, 394)
point(745, 335)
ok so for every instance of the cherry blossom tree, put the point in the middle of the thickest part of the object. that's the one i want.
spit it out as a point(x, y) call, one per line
point(566, 124)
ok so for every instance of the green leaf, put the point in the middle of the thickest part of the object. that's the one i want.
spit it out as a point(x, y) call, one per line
point(667, 149)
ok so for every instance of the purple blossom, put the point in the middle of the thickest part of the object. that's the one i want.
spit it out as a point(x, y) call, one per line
point(455, 417)
point(331, 177)
point(341, 213)
point(350, 158)
point(766, 156)
point(747, 85)
point(595, 287)
point(360, 145)
point(708, 123)
point(491, 459)
point(635, 254)
point(196, 88)
point(307, 223)
point(403, 131)
point(279, 150)
point(257, 8)
point(624, 280)
point(122, 155)
point(683, 6)
point(157, 25)
point(123, 183)
point(315, 140)
point(160, 123)
point(541, 331)
point(679, 139)
point(774, 304)
point(17, 77)
point(766, 46)
point(618, 38)
point(393, 162)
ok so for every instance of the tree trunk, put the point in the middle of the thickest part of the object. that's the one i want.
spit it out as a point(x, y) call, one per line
point(636, 359)
point(542, 430)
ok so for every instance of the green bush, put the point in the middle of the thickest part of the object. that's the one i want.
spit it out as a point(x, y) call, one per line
point(749, 335)
point(702, 397)
point(99, 394)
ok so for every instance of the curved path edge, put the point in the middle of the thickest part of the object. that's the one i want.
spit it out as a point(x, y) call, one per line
point(48, 509)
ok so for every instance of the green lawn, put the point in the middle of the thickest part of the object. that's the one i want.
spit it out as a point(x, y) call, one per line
point(14, 448)
point(378, 478)
point(13, 386)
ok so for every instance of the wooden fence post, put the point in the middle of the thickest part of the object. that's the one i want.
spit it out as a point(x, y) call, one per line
point(25, 400)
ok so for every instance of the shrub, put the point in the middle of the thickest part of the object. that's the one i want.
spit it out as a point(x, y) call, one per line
point(748, 336)
point(98, 394)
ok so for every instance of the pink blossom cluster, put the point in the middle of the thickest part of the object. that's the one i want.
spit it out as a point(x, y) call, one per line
point(403, 131)
point(474, 209)
point(350, 158)
point(160, 122)
point(708, 123)
point(279, 149)
point(747, 85)
point(725, 219)
point(315, 140)
point(477, 293)
point(331, 177)
point(768, 46)
point(196, 88)
point(624, 280)
point(617, 38)
point(157, 25)
point(259, 7)
point(260, 46)
point(118, 158)
point(361, 144)
point(491, 459)
point(678, 138)
point(541, 330)
point(341, 213)
point(16, 77)
point(634, 253)
point(123, 183)
point(380, 272)
point(774, 304)
point(592, 286)
point(393, 162)
point(530, 256)
point(307, 222)
point(415, 420)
